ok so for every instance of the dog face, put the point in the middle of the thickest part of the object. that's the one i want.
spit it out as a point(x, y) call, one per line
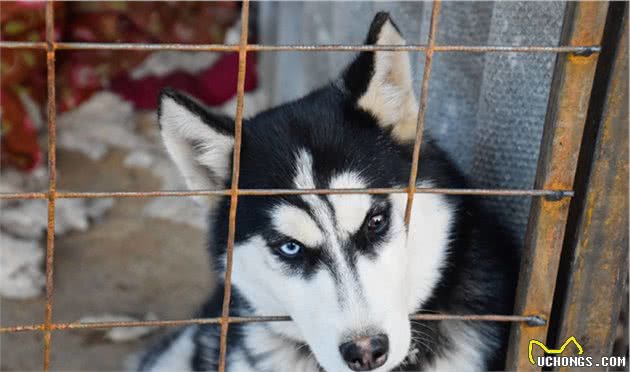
point(344, 267)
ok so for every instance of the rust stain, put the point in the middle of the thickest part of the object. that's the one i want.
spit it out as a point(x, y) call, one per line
point(52, 179)
point(599, 250)
point(564, 125)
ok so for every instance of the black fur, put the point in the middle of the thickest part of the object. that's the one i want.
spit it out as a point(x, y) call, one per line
point(481, 271)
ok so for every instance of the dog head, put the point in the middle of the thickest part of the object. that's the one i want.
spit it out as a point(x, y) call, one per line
point(344, 267)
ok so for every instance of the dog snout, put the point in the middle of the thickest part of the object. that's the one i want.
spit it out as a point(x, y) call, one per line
point(365, 353)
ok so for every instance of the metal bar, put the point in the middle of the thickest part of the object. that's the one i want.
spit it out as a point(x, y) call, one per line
point(147, 47)
point(420, 48)
point(519, 49)
point(554, 195)
point(52, 178)
point(23, 195)
point(580, 49)
point(564, 124)
point(531, 320)
point(236, 169)
point(22, 328)
point(595, 260)
point(23, 45)
point(424, 94)
point(140, 194)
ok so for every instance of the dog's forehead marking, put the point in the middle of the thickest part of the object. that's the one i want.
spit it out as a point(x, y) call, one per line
point(304, 179)
point(351, 209)
point(297, 224)
point(348, 210)
point(348, 288)
point(304, 171)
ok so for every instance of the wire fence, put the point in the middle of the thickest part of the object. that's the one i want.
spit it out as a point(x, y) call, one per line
point(51, 195)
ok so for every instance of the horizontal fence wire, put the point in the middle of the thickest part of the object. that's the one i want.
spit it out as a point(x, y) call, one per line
point(552, 194)
point(51, 46)
point(532, 320)
point(581, 50)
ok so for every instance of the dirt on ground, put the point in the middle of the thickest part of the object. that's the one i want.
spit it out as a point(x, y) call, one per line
point(124, 264)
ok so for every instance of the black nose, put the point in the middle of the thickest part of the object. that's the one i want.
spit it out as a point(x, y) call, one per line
point(365, 353)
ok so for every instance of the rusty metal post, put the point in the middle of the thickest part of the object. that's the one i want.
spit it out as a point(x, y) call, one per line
point(52, 178)
point(562, 135)
point(236, 169)
point(595, 262)
point(424, 95)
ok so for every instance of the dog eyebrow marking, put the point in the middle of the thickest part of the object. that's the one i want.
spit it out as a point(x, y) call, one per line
point(350, 209)
point(296, 223)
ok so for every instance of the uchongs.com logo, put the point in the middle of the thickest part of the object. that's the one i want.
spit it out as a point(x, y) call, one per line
point(554, 357)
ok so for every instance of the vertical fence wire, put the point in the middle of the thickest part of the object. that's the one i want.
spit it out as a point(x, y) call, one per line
point(52, 178)
point(236, 162)
point(424, 93)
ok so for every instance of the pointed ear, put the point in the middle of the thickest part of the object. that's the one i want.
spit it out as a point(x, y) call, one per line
point(199, 142)
point(381, 81)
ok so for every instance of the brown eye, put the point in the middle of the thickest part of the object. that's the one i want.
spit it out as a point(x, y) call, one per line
point(376, 223)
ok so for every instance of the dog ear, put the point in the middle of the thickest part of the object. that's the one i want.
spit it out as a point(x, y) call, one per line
point(381, 81)
point(199, 142)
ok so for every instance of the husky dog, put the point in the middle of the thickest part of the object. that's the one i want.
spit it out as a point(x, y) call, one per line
point(345, 268)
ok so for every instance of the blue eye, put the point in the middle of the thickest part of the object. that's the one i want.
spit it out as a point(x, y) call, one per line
point(291, 249)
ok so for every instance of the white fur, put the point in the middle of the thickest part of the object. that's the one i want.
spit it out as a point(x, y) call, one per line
point(180, 126)
point(297, 224)
point(427, 239)
point(237, 362)
point(350, 209)
point(466, 353)
point(281, 355)
point(304, 173)
point(178, 355)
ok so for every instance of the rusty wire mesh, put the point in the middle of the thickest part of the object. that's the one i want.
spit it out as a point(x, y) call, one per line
point(51, 46)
